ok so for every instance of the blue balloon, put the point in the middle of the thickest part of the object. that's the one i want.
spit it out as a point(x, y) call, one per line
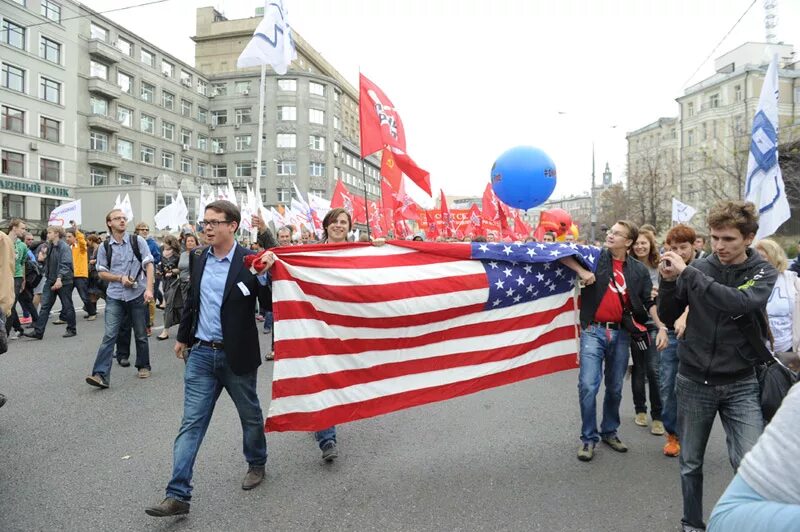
point(523, 177)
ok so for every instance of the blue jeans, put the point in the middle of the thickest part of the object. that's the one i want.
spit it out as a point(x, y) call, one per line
point(600, 345)
point(82, 286)
point(64, 294)
point(740, 411)
point(742, 508)
point(116, 311)
point(207, 373)
point(668, 369)
point(325, 436)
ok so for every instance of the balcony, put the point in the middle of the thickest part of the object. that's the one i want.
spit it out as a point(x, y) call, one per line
point(104, 88)
point(103, 158)
point(104, 51)
point(104, 123)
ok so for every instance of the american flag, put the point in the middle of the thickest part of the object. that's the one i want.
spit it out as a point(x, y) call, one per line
point(362, 330)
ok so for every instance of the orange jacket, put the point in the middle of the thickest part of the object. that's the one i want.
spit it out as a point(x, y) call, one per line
point(80, 257)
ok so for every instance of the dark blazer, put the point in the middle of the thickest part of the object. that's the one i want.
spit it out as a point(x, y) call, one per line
point(239, 331)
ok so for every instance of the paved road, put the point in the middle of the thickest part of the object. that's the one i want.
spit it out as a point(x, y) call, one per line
point(78, 458)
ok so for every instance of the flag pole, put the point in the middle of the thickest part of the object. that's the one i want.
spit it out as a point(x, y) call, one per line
point(366, 204)
point(259, 149)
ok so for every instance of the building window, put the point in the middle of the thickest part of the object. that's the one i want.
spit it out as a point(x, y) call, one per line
point(202, 115)
point(243, 115)
point(690, 109)
point(713, 101)
point(51, 90)
point(14, 206)
point(202, 142)
point(284, 195)
point(336, 95)
point(186, 107)
point(186, 78)
point(219, 170)
point(13, 119)
point(337, 123)
point(125, 46)
point(50, 50)
point(690, 137)
point(219, 89)
point(218, 143)
point(98, 69)
point(321, 192)
point(242, 87)
point(167, 68)
point(162, 200)
point(148, 124)
point(148, 58)
point(287, 140)
point(287, 168)
point(186, 136)
point(124, 179)
point(317, 143)
point(243, 142)
point(125, 82)
point(186, 165)
point(98, 177)
point(13, 34)
point(737, 93)
point(202, 87)
point(47, 205)
point(316, 169)
point(148, 92)
point(13, 164)
point(98, 141)
point(318, 89)
point(336, 147)
point(49, 129)
point(13, 78)
point(287, 85)
point(51, 10)
point(168, 100)
point(219, 118)
point(50, 170)
point(124, 116)
point(125, 149)
point(244, 169)
point(147, 155)
point(287, 112)
point(316, 116)
point(167, 160)
point(202, 169)
point(97, 32)
point(98, 106)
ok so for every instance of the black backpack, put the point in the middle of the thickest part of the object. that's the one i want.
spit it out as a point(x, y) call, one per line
point(99, 285)
point(33, 274)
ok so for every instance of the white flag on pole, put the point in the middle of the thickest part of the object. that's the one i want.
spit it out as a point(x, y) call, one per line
point(65, 213)
point(682, 213)
point(272, 42)
point(126, 208)
point(764, 184)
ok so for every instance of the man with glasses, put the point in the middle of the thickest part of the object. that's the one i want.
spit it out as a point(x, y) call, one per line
point(130, 289)
point(219, 325)
point(143, 230)
point(622, 282)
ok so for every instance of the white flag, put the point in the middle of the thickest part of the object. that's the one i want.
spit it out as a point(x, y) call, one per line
point(181, 211)
point(682, 213)
point(126, 208)
point(164, 217)
point(272, 42)
point(764, 184)
point(65, 213)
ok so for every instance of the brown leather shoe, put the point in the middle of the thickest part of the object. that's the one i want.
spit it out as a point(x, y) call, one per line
point(168, 507)
point(254, 477)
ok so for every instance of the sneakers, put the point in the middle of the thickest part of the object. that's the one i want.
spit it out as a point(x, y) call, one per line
point(586, 452)
point(657, 428)
point(673, 446)
point(13, 335)
point(33, 334)
point(59, 321)
point(124, 362)
point(641, 419)
point(168, 507)
point(330, 452)
point(143, 373)
point(97, 380)
point(69, 334)
point(615, 443)
point(90, 318)
point(254, 477)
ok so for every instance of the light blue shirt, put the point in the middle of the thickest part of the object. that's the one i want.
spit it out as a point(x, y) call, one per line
point(123, 262)
point(212, 287)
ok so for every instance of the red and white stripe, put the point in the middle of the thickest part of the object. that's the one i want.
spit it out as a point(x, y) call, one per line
point(361, 331)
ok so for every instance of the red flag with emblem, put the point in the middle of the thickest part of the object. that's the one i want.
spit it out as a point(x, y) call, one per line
point(475, 221)
point(389, 169)
point(489, 204)
point(521, 229)
point(405, 208)
point(359, 209)
point(342, 198)
point(433, 229)
point(378, 119)
point(505, 230)
point(447, 221)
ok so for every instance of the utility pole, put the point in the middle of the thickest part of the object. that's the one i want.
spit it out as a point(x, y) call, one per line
point(594, 201)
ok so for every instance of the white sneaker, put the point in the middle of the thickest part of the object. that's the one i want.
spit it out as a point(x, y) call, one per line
point(13, 335)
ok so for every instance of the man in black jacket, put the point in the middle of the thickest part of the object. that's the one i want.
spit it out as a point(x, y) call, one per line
point(218, 322)
point(622, 282)
point(716, 361)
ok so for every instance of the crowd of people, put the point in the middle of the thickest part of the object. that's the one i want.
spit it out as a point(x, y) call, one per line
point(668, 309)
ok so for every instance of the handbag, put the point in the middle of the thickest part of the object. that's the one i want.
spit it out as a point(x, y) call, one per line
point(774, 378)
point(638, 333)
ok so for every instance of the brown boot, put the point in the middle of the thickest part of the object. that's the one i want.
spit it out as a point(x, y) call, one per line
point(168, 507)
point(254, 477)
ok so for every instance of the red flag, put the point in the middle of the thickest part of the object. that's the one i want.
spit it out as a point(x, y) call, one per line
point(342, 198)
point(489, 204)
point(505, 230)
point(405, 207)
point(521, 229)
point(389, 169)
point(401, 229)
point(376, 220)
point(380, 124)
point(359, 209)
point(387, 201)
point(475, 221)
point(433, 229)
point(447, 221)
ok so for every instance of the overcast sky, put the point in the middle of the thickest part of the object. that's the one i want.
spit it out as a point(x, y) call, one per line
point(474, 78)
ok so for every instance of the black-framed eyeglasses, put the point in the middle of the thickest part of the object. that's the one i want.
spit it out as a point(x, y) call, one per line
point(213, 223)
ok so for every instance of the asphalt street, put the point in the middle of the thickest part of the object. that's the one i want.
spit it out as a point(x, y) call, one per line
point(78, 458)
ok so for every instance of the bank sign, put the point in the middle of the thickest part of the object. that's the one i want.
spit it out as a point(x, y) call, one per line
point(34, 188)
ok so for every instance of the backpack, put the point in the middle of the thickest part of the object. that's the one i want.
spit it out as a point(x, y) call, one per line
point(33, 274)
point(98, 286)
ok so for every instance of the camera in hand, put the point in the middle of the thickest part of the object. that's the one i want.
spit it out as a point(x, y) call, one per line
point(667, 263)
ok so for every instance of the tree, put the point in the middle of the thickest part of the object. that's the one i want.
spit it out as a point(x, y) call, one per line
point(613, 206)
point(652, 173)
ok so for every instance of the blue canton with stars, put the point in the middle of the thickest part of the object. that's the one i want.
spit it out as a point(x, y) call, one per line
point(519, 273)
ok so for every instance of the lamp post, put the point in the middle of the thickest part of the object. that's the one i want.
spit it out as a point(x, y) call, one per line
point(594, 201)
